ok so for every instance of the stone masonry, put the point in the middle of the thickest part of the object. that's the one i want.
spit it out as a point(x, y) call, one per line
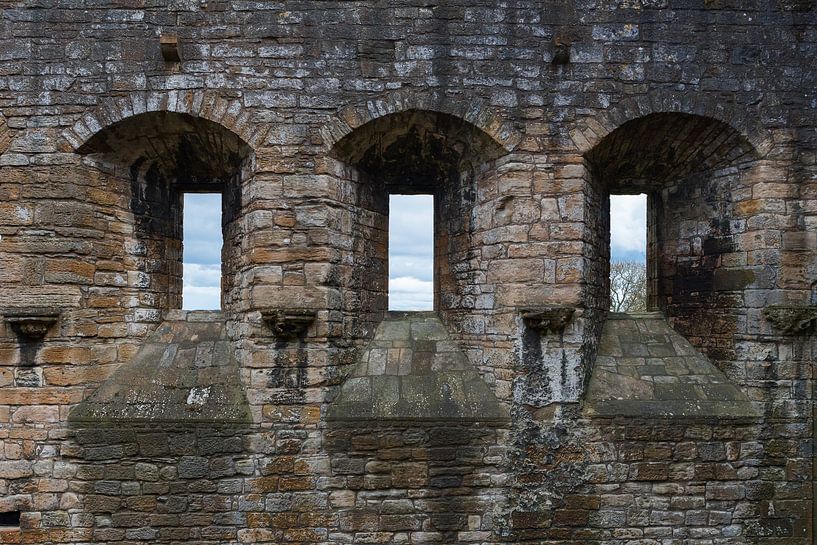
point(520, 411)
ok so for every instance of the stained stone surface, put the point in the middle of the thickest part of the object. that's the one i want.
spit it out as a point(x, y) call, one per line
point(413, 370)
point(645, 368)
point(185, 372)
point(304, 116)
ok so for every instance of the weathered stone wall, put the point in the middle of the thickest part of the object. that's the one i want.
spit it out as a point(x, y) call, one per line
point(206, 485)
point(710, 105)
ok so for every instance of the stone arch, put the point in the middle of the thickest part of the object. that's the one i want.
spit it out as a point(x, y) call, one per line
point(412, 147)
point(474, 111)
point(207, 105)
point(591, 130)
point(653, 149)
point(192, 148)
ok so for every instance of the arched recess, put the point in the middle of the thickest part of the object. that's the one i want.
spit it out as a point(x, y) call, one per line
point(474, 111)
point(152, 158)
point(415, 371)
point(207, 105)
point(591, 130)
point(703, 233)
point(413, 152)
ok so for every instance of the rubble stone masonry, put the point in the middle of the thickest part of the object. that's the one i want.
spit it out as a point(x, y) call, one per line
point(303, 412)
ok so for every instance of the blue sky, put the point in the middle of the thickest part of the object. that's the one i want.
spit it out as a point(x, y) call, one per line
point(411, 224)
point(628, 227)
point(411, 252)
point(201, 288)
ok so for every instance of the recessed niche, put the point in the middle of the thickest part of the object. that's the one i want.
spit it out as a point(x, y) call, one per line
point(10, 518)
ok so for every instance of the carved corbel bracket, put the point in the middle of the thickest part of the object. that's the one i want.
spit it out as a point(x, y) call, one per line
point(31, 324)
point(791, 319)
point(288, 323)
point(547, 319)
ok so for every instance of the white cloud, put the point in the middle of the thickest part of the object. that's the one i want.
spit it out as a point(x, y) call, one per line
point(202, 286)
point(411, 252)
point(409, 293)
point(202, 251)
point(628, 225)
point(199, 275)
point(201, 298)
point(420, 267)
point(411, 225)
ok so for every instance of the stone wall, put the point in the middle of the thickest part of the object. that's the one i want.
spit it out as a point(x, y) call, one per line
point(305, 115)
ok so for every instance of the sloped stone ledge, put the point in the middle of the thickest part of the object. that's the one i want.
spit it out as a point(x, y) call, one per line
point(646, 369)
point(412, 371)
point(186, 372)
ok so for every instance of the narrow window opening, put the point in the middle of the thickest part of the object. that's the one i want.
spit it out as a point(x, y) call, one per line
point(202, 241)
point(411, 252)
point(10, 518)
point(628, 253)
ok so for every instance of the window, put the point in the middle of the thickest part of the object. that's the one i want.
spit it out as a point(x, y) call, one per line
point(628, 253)
point(411, 252)
point(202, 242)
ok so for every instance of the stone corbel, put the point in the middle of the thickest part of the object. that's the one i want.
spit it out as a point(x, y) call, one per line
point(288, 323)
point(791, 319)
point(547, 319)
point(31, 324)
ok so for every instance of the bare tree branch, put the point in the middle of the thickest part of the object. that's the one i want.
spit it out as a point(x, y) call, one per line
point(628, 286)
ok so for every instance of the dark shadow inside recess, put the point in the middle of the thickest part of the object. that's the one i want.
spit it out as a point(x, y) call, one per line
point(10, 518)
